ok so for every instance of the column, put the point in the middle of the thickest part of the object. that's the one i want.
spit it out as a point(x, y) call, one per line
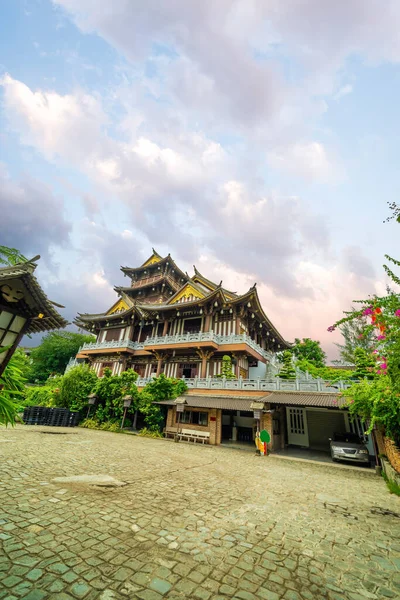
point(160, 357)
point(237, 325)
point(165, 330)
point(207, 323)
point(205, 356)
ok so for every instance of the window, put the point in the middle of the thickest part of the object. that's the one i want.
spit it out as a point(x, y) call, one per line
point(192, 325)
point(112, 335)
point(10, 327)
point(185, 417)
point(200, 418)
point(193, 418)
point(245, 413)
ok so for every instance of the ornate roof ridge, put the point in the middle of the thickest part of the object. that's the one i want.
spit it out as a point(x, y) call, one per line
point(198, 274)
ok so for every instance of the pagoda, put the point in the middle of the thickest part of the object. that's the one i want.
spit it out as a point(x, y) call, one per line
point(166, 321)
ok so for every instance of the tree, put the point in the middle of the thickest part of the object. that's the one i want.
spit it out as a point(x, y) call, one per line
point(309, 350)
point(11, 256)
point(287, 371)
point(226, 368)
point(53, 354)
point(365, 364)
point(355, 335)
point(165, 388)
point(160, 388)
point(110, 390)
point(379, 400)
point(75, 387)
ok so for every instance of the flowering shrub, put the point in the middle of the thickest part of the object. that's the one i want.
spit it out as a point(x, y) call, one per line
point(379, 401)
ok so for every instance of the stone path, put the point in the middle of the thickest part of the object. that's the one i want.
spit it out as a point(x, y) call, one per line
point(191, 522)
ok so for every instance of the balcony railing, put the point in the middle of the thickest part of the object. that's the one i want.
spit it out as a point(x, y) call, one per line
point(267, 385)
point(210, 336)
point(185, 338)
point(113, 344)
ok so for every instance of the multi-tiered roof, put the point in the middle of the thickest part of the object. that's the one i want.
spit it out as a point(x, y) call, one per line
point(158, 290)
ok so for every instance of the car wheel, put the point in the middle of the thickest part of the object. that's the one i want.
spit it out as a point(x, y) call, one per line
point(334, 459)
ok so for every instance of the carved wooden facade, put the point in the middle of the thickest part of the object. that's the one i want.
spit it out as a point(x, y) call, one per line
point(166, 321)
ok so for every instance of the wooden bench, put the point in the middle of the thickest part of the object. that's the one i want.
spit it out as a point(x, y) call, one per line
point(170, 431)
point(194, 435)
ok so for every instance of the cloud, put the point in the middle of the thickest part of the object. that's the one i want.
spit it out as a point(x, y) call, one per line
point(32, 217)
point(307, 160)
point(181, 191)
point(344, 91)
point(53, 123)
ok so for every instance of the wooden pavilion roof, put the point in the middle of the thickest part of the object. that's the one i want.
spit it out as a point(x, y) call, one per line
point(37, 302)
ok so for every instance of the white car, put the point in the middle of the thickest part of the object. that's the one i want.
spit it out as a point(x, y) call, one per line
point(349, 447)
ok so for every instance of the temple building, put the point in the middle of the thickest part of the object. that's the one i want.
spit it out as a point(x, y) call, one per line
point(166, 321)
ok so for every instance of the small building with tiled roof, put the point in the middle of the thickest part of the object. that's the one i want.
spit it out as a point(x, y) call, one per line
point(24, 307)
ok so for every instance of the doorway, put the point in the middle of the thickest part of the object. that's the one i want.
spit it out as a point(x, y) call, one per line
point(297, 426)
point(187, 370)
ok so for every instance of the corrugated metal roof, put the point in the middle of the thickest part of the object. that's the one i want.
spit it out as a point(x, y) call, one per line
point(304, 399)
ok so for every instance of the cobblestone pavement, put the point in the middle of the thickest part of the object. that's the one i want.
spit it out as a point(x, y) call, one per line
point(191, 522)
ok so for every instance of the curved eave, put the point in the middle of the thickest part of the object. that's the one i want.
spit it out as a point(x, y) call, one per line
point(252, 294)
point(38, 303)
point(96, 318)
point(163, 261)
point(183, 305)
point(128, 289)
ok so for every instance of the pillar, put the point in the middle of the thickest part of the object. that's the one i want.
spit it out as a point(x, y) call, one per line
point(159, 356)
point(159, 365)
point(207, 323)
point(205, 356)
point(237, 325)
point(165, 330)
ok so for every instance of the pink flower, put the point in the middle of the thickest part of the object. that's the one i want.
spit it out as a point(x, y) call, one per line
point(397, 313)
point(384, 366)
point(381, 337)
point(331, 328)
point(360, 337)
point(368, 311)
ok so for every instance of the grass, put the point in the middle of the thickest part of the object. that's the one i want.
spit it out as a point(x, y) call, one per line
point(394, 488)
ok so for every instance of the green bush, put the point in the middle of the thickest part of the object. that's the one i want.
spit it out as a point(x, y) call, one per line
point(44, 395)
point(149, 433)
point(90, 424)
point(94, 424)
point(75, 387)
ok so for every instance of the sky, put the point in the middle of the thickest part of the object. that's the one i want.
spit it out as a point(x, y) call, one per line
point(257, 140)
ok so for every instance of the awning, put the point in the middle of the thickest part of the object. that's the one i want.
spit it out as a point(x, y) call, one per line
point(324, 400)
point(222, 402)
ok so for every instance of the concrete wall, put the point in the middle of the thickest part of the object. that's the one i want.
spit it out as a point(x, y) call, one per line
point(259, 371)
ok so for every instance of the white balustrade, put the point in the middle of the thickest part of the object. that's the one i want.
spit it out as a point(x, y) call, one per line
point(268, 385)
point(112, 344)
